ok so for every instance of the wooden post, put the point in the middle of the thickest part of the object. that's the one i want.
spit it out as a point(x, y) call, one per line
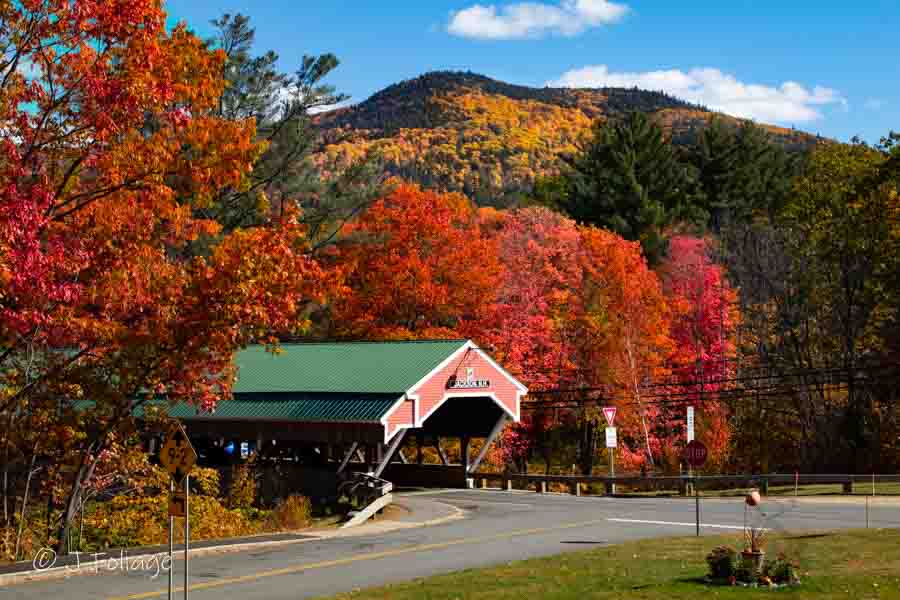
point(440, 451)
point(464, 452)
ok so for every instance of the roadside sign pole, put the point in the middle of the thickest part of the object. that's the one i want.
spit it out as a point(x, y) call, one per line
point(187, 531)
point(697, 507)
point(612, 440)
point(171, 543)
point(690, 438)
point(695, 455)
point(178, 457)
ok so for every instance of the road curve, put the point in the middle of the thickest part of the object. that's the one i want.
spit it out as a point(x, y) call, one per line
point(498, 527)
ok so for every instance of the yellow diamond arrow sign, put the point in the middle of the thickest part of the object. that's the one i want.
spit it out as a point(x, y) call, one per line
point(177, 455)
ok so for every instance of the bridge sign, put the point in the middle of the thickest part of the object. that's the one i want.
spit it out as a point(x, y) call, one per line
point(695, 454)
point(177, 455)
point(610, 413)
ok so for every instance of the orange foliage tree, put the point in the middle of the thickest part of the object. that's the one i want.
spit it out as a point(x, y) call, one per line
point(629, 313)
point(114, 287)
point(415, 265)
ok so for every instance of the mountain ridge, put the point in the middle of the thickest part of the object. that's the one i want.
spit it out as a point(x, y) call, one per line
point(466, 132)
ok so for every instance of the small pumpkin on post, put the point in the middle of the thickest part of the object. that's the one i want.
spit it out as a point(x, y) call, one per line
point(754, 555)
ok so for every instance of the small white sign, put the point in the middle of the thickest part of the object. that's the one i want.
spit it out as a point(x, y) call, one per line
point(611, 437)
point(690, 423)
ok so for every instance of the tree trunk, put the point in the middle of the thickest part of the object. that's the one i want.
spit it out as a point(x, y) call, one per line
point(73, 501)
point(22, 513)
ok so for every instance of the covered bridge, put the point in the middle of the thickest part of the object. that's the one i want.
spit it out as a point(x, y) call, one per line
point(357, 402)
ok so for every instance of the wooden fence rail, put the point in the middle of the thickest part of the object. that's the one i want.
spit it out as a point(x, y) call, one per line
point(683, 483)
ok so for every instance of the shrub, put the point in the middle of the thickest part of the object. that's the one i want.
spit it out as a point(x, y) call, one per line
point(206, 481)
point(293, 513)
point(781, 570)
point(242, 493)
point(722, 562)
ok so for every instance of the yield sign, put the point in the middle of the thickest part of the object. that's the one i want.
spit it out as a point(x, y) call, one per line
point(177, 455)
point(610, 413)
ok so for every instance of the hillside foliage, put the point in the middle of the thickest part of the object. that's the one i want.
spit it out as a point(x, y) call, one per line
point(491, 140)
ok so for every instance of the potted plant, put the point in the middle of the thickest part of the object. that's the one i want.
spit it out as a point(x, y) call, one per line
point(754, 554)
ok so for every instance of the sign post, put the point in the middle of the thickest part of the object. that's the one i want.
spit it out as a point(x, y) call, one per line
point(690, 438)
point(171, 542)
point(611, 443)
point(695, 454)
point(178, 457)
point(187, 533)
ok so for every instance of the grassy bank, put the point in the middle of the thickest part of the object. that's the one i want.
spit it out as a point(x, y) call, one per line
point(858, 565)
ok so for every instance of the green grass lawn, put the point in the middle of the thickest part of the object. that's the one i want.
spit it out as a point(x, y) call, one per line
point(857, 565)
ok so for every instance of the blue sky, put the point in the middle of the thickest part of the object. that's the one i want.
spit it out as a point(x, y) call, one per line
point(825, 67)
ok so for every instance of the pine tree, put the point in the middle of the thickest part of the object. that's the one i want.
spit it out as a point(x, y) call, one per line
point(628, 179)
point(742, 173)
point(282, 106)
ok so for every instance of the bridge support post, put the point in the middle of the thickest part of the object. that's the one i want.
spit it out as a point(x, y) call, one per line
point(498, 427)
point(353, 448)
point(386, 458)
point(440, 451)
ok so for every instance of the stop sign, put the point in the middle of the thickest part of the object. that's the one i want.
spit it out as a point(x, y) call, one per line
point(695, 453)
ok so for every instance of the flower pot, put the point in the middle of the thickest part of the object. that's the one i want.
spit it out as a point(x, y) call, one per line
point(754, 560)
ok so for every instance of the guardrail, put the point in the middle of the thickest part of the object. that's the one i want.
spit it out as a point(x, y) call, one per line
point(683, 483)
point(373, 493)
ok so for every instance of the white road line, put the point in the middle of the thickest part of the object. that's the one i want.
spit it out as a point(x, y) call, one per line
point(707, 525)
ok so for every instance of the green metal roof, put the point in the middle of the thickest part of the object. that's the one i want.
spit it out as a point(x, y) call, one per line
point(340, 382)
point(307, 407)
point(340, 367)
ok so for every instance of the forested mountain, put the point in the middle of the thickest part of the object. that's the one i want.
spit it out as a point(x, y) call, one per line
point(460, 131)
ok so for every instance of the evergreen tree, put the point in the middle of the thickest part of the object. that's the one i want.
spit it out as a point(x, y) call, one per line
point(628, 179)
point(742, 173)
point(282, 106)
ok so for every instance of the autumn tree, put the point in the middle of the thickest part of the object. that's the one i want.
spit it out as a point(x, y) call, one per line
point(112, 150)
point(536, 295)
point(415, 265)
point(817, 290)
point(703, 329)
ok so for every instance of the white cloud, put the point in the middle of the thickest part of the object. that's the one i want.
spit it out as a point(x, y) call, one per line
point(316, 110)
point(874, 104)
point(532, 20)
point(788, 103)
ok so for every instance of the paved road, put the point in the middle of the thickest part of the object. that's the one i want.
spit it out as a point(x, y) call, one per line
point(499, 527)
